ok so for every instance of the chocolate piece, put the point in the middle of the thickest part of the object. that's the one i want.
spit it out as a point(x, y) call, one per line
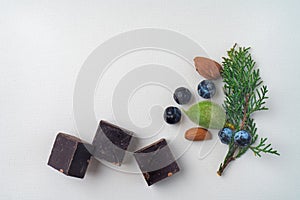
point(70, 155)
point(156, 162)
point(111, 142)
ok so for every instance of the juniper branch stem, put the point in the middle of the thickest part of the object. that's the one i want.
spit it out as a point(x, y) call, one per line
point(230, 155)
point(245, 111)
point(229, 158)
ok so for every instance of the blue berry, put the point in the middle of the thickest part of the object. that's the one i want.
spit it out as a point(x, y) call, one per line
point(242, 138)
point(225, 135)
point(172, 115)
point(206, 89)
point(182, 95)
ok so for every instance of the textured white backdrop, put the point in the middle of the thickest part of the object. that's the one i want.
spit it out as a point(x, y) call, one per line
point(43, 45)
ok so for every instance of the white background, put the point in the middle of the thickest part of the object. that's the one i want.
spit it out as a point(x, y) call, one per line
point(43, 45)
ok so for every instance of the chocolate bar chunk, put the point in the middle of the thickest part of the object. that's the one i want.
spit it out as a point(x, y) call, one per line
point(111, 142)
point(156, 162)
point(70, 155)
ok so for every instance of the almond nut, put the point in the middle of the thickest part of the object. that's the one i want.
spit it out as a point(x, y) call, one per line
point(197, 134)
point(208, 68)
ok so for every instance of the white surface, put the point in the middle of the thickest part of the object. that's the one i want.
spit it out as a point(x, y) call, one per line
point(43, 45)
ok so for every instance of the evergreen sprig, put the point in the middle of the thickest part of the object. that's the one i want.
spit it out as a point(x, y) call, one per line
point(262, 147)
point(244, 95)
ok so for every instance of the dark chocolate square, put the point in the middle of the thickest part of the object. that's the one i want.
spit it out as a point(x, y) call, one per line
point(111, 142)
point(156, 162)
point(70, 155)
